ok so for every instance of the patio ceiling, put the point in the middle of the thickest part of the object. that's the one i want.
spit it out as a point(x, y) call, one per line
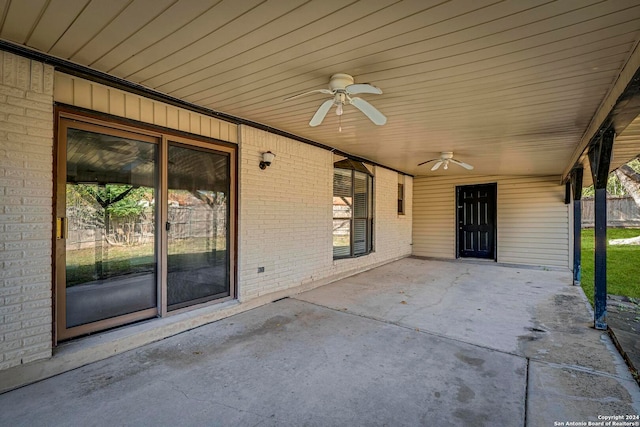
point(510, 87)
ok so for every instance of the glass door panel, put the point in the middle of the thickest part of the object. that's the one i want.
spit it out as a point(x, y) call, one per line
point(110, 255)
point(198, 228)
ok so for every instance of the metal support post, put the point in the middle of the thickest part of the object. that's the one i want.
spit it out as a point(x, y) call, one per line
point(600, 160)
point(576, 183)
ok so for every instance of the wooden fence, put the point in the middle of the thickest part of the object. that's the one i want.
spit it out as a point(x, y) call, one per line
point(621, 212)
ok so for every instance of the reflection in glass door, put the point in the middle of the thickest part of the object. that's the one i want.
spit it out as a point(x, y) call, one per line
point(109, 239)
point(144, 224)
point(198, 228)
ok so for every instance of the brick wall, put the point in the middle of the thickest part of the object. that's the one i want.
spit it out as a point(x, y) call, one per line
point(285, 222)
point(26, 177)
point(285, 213)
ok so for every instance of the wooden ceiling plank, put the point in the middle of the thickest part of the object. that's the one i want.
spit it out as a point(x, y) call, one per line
point(520, 78)
point(498, 114)
point(492, 34)
point(473, 52)
point(519, 50)
point(55, 20)
point(21, 18)
point(555, 92)
point(515, 99)
point(86, 26)
point(4, 10)
point(154, 32)
point(427, 71)
point(136, 15)
point(452, 96)
point(550, 90)
point(487, 78)
point(425, 97)
point(235, 25)
point(392, 43)
point(502, 109)
point(303, 22)
point(202, 25)
point(513, 84)
point(482, 130)
point(367, 36)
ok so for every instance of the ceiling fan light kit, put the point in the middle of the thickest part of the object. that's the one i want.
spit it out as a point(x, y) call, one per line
point(341, 87)
point(445, 158)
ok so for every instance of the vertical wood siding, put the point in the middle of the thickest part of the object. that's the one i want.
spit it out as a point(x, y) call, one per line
point(532, 219)
point(94, 96)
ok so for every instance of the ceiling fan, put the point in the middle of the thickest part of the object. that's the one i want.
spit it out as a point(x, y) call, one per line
point(341, 87)
point(445, 158)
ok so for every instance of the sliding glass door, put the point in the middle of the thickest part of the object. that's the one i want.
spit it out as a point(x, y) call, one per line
point(143, 225)
point(197, 226)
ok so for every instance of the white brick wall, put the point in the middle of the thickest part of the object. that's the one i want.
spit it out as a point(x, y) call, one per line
point(285, 221)
point(26, 177)
point(285, 215)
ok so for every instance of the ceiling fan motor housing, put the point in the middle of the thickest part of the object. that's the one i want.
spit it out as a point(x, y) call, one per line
point(340, 81)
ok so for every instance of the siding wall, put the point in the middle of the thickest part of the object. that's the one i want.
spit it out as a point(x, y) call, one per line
point(285, 222)
point(532, 219)
point(94, 96)
point(26, 191)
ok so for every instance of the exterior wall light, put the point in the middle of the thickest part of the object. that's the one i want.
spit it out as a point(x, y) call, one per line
point(267, 158)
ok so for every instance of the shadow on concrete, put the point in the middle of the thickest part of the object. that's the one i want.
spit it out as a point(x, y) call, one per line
point(623, 317)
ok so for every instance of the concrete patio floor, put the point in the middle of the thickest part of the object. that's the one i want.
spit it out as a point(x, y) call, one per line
point(414, 342)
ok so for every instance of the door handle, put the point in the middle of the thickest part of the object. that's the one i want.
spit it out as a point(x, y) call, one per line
point(167, 226)
point(61, 228)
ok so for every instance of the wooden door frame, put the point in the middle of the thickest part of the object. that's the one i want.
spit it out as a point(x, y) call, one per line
point(494, 187)
point(64, 122)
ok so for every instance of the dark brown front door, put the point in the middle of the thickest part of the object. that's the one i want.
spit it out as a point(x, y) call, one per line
point(476, 206)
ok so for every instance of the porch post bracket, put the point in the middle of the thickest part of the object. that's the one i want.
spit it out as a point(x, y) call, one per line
point(576, 187)
point(600, 161)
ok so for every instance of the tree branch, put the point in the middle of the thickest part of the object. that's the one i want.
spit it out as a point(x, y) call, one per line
point(630, 180)
point(633, 175)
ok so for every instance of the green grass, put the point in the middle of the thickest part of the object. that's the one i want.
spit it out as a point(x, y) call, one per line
point(82, 265)
point(623, 264)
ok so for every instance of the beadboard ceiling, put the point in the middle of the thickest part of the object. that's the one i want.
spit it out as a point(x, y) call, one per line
point(509, 86)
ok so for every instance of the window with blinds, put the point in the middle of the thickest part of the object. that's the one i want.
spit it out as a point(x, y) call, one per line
point(352, 209)
point(400, 194)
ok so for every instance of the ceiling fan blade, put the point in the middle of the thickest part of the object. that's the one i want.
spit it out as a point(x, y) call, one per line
point(437, 165)
point(369, 110)
point(424, 163)
point(327, 91)
point(318, 117)
point(463, 164)
point(363, 88)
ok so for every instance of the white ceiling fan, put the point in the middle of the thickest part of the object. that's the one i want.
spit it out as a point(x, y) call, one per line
point(341, 87)
point(445, 158)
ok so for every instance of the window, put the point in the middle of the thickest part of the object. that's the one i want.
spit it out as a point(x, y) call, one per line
point(352, 209)
point(401, 194)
